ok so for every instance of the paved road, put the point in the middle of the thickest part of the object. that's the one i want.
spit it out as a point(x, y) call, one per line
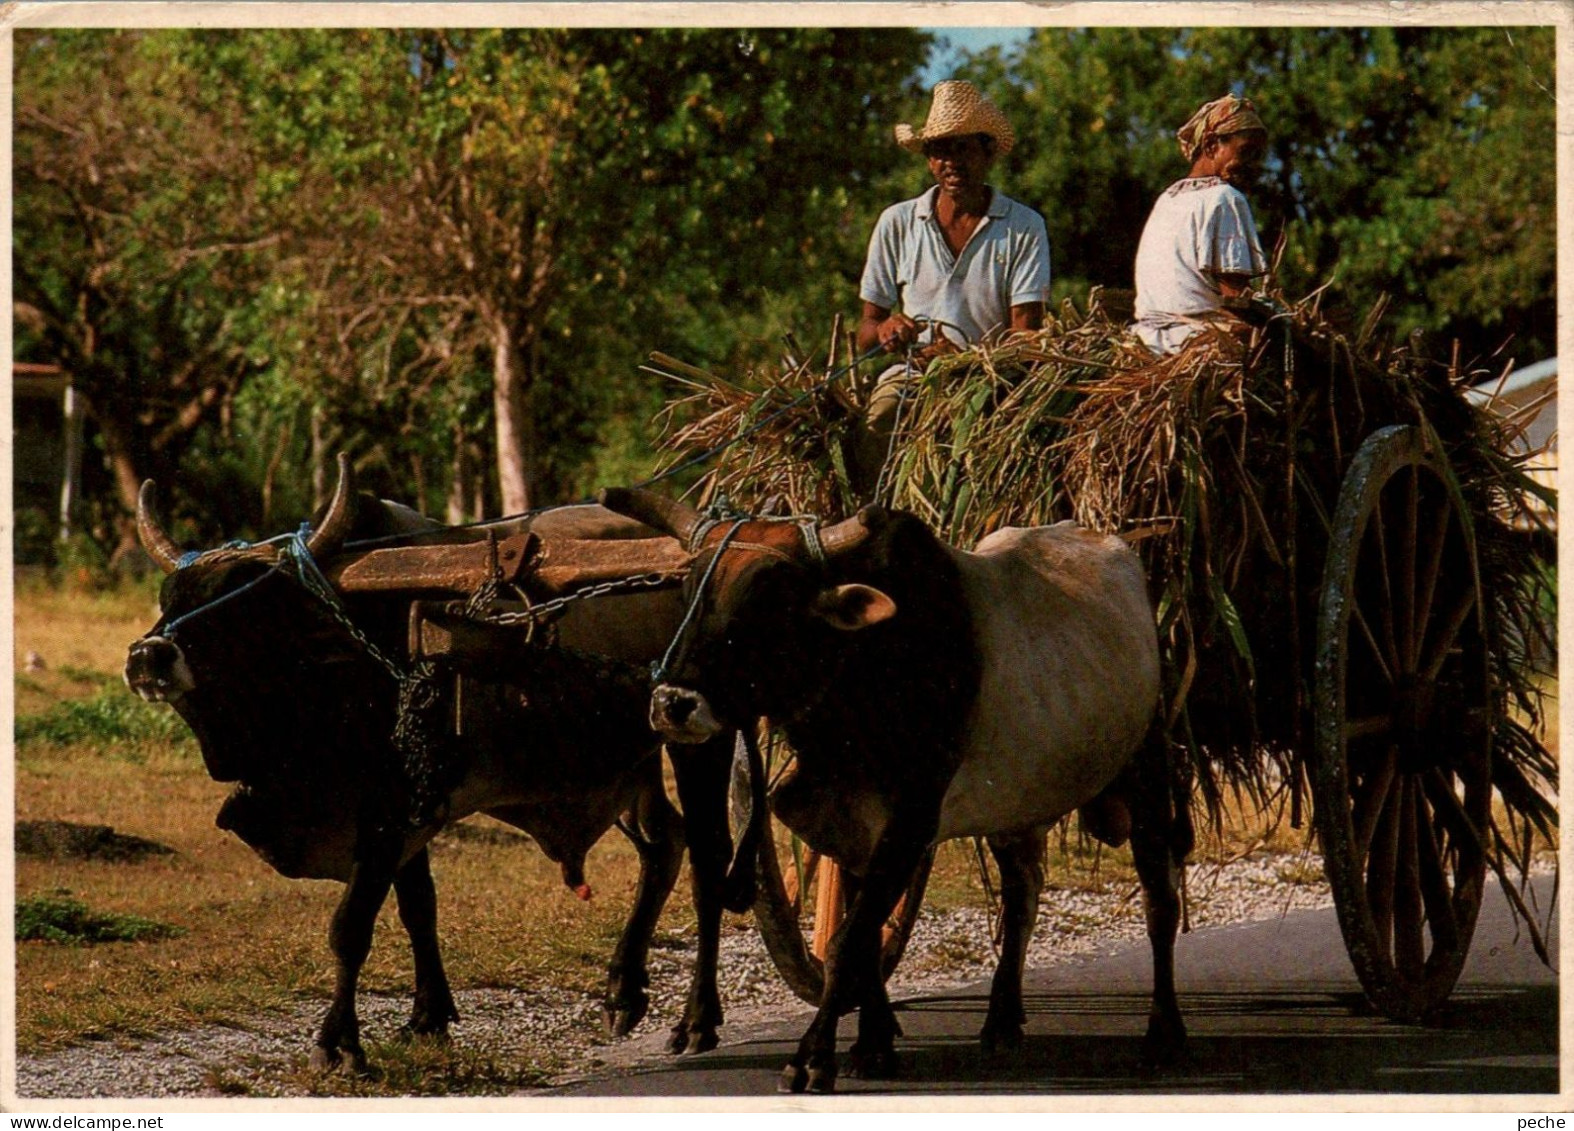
point(1271, 1007)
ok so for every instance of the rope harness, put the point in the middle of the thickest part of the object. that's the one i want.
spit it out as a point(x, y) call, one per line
point(717, 513)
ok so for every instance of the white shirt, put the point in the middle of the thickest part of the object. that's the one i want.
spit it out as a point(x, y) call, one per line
point(1199, 229)
point(1004, 263)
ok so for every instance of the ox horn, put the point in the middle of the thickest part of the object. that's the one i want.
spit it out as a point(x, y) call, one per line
point(848, 534)
point(160, 546)
point(666, 515)
point(335, 526)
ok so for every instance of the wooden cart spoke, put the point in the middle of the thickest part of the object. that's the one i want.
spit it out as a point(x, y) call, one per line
point(1388, 664)
point(1409, 939)
point(1381, 867)
point(1377, 531)
point(1371, 798)
point(1431, 567)
point(1434, 880)
point(1368, 726)
point(1448, 628)
point(1440, 791)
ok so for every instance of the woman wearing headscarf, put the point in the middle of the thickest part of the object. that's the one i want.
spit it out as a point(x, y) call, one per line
point(1200, 246)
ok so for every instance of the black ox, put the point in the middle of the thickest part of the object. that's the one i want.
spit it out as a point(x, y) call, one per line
point(285, 700)
point(930, 693)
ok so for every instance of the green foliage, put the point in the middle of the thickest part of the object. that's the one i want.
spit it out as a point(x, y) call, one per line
point(60, 919)
point(81, 562)
point(112, 715)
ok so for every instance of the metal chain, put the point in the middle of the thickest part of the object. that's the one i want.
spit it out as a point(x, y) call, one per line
point(316, 584)
point(655, 580)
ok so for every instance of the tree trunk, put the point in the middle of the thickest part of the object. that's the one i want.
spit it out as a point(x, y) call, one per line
point(458, 480)
point(516, 440)
point(119, 451)
point(319, 460)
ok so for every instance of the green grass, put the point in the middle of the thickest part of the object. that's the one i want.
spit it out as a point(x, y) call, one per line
point(60, 919)
point(111, 715)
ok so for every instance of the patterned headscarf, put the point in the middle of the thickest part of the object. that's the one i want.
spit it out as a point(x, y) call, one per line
point(1227, 115)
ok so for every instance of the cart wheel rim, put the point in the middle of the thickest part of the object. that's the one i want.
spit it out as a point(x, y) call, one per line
point(1403, 724)
point(787, 924)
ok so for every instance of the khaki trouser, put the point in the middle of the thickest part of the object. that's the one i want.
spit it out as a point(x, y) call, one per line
point(872, 440)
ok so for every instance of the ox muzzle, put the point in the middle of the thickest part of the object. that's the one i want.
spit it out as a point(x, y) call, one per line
point(156, 670)
point(682, 715)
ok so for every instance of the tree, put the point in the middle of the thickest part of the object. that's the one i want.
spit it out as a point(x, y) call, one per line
point(137, 243)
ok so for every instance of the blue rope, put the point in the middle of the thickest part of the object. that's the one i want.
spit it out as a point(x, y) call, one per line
point(658, 672)
point(190, 557)
point(172, 626)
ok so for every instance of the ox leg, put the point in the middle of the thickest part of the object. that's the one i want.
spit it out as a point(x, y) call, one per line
point(433, 1007)
point(703, 774)
point(1159, 842)
point(1020, 856)
point(658, 838)
point(350, 938)
point(852, 968)
point(873, 1055)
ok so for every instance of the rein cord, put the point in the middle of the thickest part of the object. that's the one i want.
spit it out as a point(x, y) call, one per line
point(658, 671)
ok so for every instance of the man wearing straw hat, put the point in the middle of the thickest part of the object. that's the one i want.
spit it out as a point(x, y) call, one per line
point(950, 267)
point(1200, 249)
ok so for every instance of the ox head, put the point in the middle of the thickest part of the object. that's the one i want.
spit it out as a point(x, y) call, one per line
point(771, 611)
point(235, 635)
point(156, 668)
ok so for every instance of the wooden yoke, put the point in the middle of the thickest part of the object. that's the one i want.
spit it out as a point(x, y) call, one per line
point(444, 567)
point(543, 567)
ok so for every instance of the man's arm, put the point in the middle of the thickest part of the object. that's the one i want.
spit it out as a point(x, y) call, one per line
point(1027, 317)
point(1232, 285)
point(879, 327)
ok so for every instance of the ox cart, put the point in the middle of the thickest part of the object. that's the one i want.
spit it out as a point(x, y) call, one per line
point(1346, 560)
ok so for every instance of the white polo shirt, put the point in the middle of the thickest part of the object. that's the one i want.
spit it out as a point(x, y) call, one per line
point(1004, 263)
point(1199, 229)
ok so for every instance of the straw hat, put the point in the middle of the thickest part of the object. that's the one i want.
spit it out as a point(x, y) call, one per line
point(958, 110)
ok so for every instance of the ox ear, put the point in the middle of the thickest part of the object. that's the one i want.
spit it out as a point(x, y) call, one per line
point(851, 607)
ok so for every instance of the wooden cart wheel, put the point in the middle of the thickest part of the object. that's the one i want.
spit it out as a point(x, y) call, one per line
point(1403, 724)
point(799, 908)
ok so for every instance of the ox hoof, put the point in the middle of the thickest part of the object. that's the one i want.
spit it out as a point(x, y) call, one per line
point(622, 1018)
point(994, 1038)
point(1164, 1045)
point(686, 1042)
point(794, 1079)
point(822, 1079)
point(872, 1064)
point(350, 1062)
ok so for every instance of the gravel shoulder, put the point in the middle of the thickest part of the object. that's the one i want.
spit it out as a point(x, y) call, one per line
point(264, 1058)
